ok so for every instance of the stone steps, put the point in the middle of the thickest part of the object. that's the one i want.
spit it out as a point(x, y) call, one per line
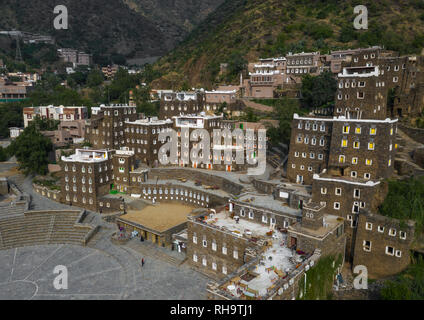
point(148, 250)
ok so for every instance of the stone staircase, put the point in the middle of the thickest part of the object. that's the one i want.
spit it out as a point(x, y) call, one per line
point(148, 249)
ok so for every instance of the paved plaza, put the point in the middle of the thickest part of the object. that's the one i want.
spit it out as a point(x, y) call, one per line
point(27, 273)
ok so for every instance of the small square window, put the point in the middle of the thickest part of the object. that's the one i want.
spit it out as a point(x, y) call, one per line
point(368, 226)
point(390, 250)
point(367, 245)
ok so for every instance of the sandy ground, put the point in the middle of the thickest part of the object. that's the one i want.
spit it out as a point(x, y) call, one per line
point(160, 217)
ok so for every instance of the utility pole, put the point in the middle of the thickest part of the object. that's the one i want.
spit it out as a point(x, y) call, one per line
point(18, 56)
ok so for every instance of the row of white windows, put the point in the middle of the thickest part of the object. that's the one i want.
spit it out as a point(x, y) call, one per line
point(338, 192)
point(179, 108)
point(314, 126)
point(213, 265)
point(301, 61)
point(392, 231)
point(83, 199)
point(90, 181)
point(302, 167)
point(126, 111)
point(83, 188)
point(153, 130)
point(171, 191)
point(347, 84)
point(300, 139)
point(311, 155)
point(365, 57)
point(297, 70)
point(355, 207)
point(215, 247)
point(359, 95)
point(389, 250)
point(139, 141)
point(89, 169)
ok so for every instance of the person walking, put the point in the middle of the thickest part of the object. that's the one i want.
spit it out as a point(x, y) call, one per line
point(142, 262)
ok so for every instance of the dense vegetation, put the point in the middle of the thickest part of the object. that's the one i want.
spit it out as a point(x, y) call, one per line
point(405, 200)
point(319, 279)
point(283, 112)
point(318, 91)
point(258, 28)
point(409, 285)
point(31, 150)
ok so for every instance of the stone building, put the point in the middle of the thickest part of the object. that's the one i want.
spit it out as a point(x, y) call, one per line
point(178, 103)
point(382, 244)
point(300, 64)
point(265, 76)
point(59, 113)
point(218, 251)
point(357, 148)
point(87, 175)
point(317, 230)
point(142, 136)
point(106, 127)
point(361, 94)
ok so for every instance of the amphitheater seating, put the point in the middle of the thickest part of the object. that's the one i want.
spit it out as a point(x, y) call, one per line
point(43, 227)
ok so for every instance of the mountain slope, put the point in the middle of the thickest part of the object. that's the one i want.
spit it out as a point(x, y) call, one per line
point(133, 28)
point(257, 28)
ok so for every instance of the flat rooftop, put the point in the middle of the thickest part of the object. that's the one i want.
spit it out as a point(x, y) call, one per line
point(243, 227)
point(276, 262)
point(267, 202)
point(331, 222)
point(159, 217)
point(87, 155)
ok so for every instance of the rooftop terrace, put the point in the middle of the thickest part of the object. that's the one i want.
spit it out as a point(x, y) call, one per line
point(267, 202)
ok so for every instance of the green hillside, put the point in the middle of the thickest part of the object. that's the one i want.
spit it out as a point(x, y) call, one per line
point(241, 30)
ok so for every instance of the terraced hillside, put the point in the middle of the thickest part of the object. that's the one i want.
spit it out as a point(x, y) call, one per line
point(242, 30)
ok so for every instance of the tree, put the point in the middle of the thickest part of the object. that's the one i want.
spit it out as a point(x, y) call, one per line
point(318, 91)
point(236, 64)
point(3, 154)
point(44, 124)
point(95, 78)
point(31, 149)
point(283, 111)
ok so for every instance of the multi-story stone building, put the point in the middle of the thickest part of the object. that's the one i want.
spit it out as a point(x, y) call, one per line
point(178, 103)
point(87, 175)
point(106, 127)
point(300, 64)
point(74, 56)
point(361, 93)
point(265, 76)
point(382, 245)
point(59, 113)
point(356, 148)
point(142, 137)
